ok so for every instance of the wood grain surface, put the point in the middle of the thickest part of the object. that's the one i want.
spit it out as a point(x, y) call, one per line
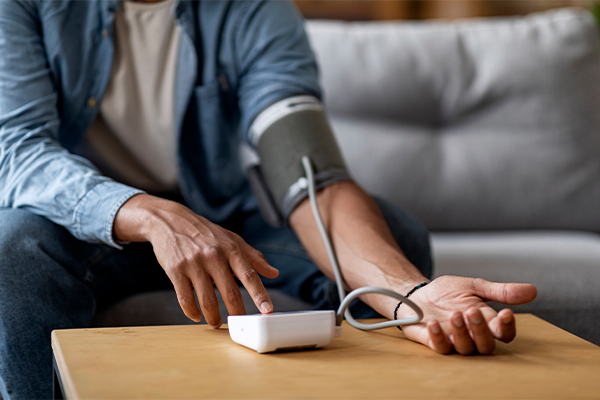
point(193, 361)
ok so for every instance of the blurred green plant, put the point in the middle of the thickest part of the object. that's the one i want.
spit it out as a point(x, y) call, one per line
point(595, 9)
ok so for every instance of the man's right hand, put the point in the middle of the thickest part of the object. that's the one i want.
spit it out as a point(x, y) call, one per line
point(195, 253)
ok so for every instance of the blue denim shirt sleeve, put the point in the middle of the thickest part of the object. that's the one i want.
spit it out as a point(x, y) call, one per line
point(274, 57)
point(36, 172)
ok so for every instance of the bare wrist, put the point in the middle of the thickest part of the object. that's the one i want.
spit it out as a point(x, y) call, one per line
point(133, 221)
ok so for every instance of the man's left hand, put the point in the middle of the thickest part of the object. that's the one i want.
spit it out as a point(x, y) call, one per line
point(457, 317)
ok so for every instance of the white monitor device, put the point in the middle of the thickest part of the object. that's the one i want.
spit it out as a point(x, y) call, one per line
point(283, 331)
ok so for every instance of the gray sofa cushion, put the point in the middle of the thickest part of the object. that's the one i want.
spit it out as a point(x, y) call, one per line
point(484, 124)
point(564, 266)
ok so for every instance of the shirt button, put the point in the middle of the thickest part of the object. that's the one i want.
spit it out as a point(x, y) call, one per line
point(92, 102)
point(105, 32)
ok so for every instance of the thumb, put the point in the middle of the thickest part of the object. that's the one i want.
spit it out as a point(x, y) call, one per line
point(507, 293)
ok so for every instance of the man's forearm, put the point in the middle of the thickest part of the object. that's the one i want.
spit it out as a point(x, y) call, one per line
point(367, 252)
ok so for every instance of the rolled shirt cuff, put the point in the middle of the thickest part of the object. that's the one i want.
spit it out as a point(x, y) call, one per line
point(96, 211)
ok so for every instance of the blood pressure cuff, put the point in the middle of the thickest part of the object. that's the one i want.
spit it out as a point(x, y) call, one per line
point(281, 135)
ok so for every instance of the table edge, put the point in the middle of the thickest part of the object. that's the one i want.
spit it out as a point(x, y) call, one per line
point(67, 381)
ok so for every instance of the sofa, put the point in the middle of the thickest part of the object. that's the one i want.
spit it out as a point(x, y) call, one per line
point(486, 130)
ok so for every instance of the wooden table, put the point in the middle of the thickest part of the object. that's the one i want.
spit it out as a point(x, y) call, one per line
point(194, 361)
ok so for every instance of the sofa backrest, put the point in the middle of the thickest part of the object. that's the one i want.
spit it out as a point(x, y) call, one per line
point(476, 125)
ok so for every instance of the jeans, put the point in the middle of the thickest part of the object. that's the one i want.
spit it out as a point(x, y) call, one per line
point(50, 280)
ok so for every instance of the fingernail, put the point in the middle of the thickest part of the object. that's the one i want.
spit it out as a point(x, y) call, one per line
point(507, 319)
point(266, 308)
point(476, 318)
point(435, 328)
point(458, 322)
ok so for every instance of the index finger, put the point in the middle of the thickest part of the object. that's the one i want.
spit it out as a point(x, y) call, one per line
point(247, 275)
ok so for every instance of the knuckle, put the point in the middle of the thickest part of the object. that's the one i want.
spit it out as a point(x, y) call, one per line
point(260, 255)
point(211, 252)
point(186, 302)
point(177, 268)
point(231, 248)
point(248, 275)
point(235, 236)
point(233, 296)
point(480, 283)
point(505, 291)
point(209, 303)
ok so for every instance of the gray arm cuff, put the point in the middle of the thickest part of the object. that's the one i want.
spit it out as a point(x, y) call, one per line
point(282, 142)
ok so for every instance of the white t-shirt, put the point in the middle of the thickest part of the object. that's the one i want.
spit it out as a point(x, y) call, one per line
point(134, 133)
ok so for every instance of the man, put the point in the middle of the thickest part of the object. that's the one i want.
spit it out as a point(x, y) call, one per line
point(161, 97)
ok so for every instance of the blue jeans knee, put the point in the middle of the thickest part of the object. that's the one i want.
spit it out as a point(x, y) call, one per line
point(41, 289)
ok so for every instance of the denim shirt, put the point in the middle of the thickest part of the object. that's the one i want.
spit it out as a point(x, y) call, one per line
point(55, 64)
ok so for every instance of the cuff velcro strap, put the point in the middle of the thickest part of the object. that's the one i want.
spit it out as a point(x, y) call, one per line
point(299, 190)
